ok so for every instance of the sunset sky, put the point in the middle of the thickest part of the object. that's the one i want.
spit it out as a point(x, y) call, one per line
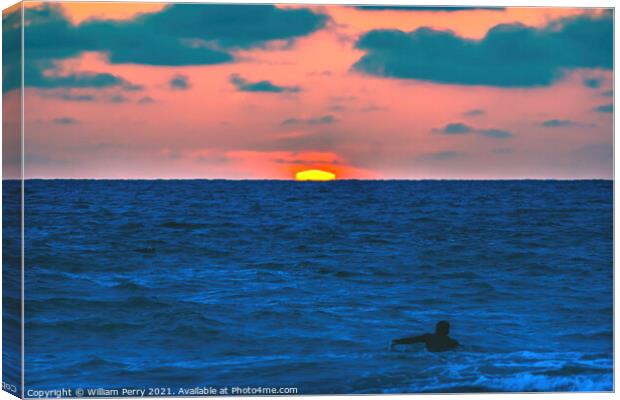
point(122, 90)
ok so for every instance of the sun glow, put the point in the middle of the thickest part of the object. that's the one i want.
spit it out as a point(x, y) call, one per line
point(314, 175)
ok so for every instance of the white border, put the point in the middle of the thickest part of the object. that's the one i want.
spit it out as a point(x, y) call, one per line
point(509, 3)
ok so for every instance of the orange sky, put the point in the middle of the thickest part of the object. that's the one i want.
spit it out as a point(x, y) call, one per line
point(354, 124)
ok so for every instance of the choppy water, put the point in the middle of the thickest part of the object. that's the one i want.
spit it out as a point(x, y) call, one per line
point(301, 284)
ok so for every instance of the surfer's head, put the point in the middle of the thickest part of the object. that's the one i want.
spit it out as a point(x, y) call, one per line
point(442, 328)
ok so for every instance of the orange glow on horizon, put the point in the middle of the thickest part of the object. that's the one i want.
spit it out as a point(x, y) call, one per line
point(315, 175)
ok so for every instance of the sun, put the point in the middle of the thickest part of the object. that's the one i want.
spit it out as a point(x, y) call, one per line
point(314, 175)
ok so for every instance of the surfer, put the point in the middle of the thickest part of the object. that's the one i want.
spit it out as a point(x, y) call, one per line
point(435, 342)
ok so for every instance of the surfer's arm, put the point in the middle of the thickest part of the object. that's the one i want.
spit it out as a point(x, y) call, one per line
point(410, 340)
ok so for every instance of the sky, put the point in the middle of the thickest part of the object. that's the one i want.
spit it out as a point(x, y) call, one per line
point(139, 90)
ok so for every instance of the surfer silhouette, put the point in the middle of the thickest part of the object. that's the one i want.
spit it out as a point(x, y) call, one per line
point(435, 342)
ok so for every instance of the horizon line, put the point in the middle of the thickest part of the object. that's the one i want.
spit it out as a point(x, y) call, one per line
point(294, 180)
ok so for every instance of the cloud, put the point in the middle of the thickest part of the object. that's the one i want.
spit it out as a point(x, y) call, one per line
point(180, 34)
point(315, 141)
point(65, 121)
point(509, 55)
point(557, 123)
point(454, 128)
point(118, 99)
point(180, 82)
point(79, 80)
point(11, 50)
point(442, 155)
point(606, 108)
point(67, 95)
point(77, 97)
point(459, 128)
point(45, 160)
point(130, 87)
point(49, 37)
point(592, 83)
point(234, 26)
point(563, 123)
point(146, 100)
point(474, 113)
point(213, 158)
point(243, 85)
point(308, 161)
point(373, 108)
point(426, 8)
point(337, 108)
point(323, 120)
point(495, 133)
point(608, 93)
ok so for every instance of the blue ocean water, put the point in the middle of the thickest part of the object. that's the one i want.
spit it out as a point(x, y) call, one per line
point(303, 284)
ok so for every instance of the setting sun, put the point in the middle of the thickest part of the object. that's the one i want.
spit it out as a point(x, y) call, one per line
point(314, 175)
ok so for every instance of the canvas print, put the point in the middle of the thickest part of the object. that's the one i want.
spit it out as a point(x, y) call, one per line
point(294, 199)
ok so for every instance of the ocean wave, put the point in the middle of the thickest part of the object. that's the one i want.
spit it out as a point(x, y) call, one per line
point(183, 225)
point(527, 382)
point(84, 325)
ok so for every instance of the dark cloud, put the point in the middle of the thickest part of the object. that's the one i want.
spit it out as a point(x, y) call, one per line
point(11, 50)
point(316, 141)
point(336, 102)
point(557, 123)
point(180, 34)
point(49, 37)
point(234, 26)
point(563, 123)
point(426, 8)
point(607, 108)
point(337, 108)
point(510, 55)
point(67, 95)
point(292, 121)
point(306, 161)
point(459, 128)
point(495, 133)
point(454, 128)
point(77, 97)
point(592, 83)
point(65, 121)
point(474, 113)
point(180, 82)
point(118, 99)
point(243, 85)
point(130, 87)
point(442, 155)
point(78, 80)
point(323, 120)
point(326, 119)
point(146, 100)
point(44, 159)
point(213, 159)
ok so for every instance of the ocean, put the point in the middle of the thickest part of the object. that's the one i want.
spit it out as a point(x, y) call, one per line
point(179, 284)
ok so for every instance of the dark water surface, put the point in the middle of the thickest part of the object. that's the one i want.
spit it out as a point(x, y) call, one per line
point(302, 284)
